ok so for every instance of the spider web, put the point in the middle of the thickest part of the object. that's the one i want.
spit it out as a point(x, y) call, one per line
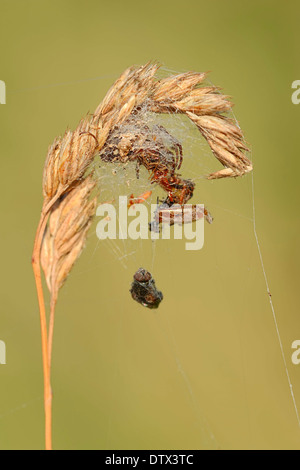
point(118, 179)
point(145, 255)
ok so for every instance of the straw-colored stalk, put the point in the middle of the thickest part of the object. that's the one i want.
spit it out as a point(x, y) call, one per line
point(68, 209)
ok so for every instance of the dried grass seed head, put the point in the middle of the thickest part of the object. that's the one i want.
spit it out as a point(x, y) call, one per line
point(66, 232)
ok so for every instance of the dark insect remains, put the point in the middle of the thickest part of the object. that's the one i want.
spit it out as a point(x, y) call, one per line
point(143, 289)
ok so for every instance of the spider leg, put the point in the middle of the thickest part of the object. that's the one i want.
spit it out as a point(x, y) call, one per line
point(137, 170)
point(176, 146)
point(181, 158)
point(179, 153)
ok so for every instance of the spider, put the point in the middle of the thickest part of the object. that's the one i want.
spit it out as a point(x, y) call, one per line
point(155, 149)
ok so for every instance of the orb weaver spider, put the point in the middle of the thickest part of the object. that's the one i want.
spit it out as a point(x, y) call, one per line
point(158, 151)
point(155, 149)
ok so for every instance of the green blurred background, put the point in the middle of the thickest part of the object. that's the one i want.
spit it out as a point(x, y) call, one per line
point(205, 369)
